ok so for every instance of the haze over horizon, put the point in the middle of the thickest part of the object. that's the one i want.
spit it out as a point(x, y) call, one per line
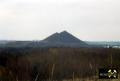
point(88, 20)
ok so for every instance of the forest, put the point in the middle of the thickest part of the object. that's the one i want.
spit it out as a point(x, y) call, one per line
point(55, 64)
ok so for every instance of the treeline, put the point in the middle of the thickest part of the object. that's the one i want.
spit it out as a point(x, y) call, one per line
point(29, 64)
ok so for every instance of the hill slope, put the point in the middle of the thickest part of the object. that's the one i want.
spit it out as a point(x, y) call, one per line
point(63, 39)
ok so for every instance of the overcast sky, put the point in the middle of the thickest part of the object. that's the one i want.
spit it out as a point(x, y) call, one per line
point(36, 19)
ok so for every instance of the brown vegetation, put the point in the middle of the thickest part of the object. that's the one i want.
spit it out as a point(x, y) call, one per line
point(31, 64)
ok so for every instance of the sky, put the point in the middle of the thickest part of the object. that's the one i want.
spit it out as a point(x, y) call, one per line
point(88, 20)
